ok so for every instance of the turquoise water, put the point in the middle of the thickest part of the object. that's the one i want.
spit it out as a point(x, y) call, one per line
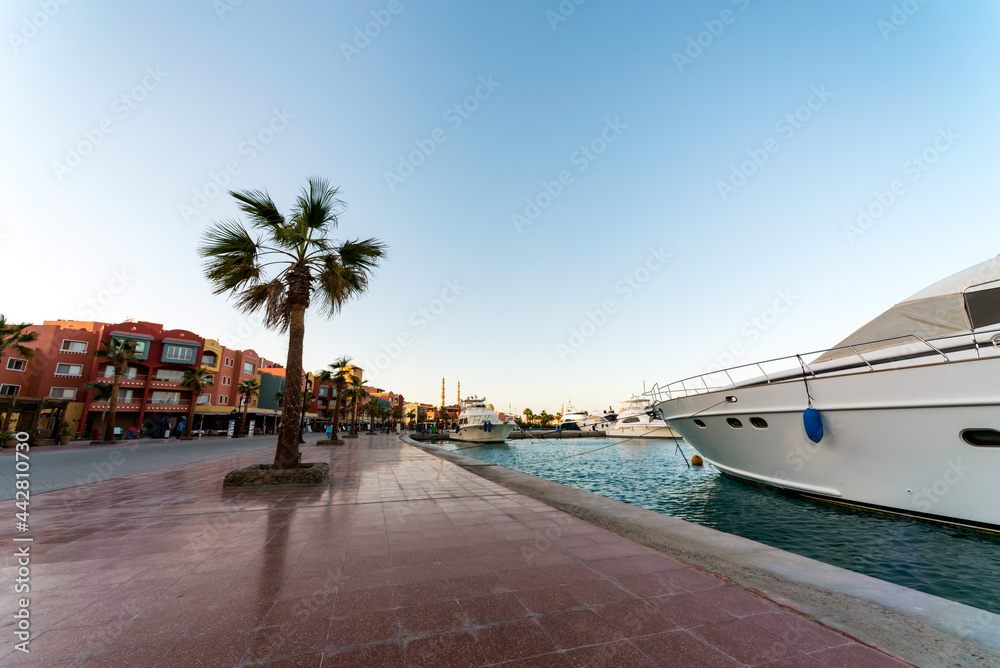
point(960, 565)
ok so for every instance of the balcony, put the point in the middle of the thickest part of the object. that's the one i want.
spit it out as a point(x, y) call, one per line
point(161, 404)
point(165, 384)
point(133, 405)
point(124, 381)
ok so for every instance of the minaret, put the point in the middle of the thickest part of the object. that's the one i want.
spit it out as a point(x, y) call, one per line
point(458, 394)
point(442, 393)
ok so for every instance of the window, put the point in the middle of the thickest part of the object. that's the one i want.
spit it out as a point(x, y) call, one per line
point(224, 400)
point(166, 398)
point(982, 438)
point(109, 372)
point(205, 399)
point(210, 379)
point(322, 391)
point(69, 369)
point(178, 353)
point(226, 380)
point(140, 347)
point(15, 364)
point(630, 420)
point(125, 395)
point(169, 375)
point(73, 346)
point(734, 423)
point(699, 422)
point(759, 423)
point(10, 390)
point(208, 359)
point(248, 368)
point(229, 361)
point(63, 392)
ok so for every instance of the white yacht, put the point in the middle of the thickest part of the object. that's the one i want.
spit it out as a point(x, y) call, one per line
point(575, 420)
point(902, 416)
point(636, 420)
point(478, 423)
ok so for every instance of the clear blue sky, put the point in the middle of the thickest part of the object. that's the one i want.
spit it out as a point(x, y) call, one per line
point(183, 86)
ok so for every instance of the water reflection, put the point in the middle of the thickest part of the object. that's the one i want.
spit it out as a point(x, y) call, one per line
point(947, 562)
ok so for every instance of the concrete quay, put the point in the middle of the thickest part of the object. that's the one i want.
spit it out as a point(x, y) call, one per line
point(404, 558)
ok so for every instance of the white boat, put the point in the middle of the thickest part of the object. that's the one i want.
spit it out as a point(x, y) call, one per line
point(905, 412)
point(478, 423)
point(580, 421)
point(636, 420)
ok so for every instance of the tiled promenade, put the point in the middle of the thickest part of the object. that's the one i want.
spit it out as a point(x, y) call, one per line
point(402, 560)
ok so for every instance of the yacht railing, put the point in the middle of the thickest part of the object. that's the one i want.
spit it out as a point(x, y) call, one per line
point(894, 352)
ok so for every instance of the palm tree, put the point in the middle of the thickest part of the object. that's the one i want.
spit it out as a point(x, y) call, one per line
point(100, 393)
point(356, 393)
point(411, 417)
point(15, 337)
point(373, 409)
point(307, 265)
point(341, 372)
point(545, 418)
point(195, 380)
point(529, 415)
point(396, 415)
point(119, 352)
point(248, 389)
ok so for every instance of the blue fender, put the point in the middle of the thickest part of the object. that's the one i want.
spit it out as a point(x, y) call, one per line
point(813, 423)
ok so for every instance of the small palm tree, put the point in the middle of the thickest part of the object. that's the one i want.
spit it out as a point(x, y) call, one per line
point(529, 415)
point(341, 371)
point(545, 418)
point(281, 274)
point(357, 394)
point(119, 352)
point(100, 393)
point(396, 415)
point(16, 337)
point(248, 389)
point(195, 380)
point(411, 417)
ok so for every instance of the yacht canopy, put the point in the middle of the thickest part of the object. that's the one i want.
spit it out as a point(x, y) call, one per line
point(967, 300)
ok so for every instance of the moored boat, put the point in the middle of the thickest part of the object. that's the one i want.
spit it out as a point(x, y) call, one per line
point(636, 420)
point(479, 423)
point(902, 416)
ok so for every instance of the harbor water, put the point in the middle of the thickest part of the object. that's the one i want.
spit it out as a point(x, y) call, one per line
point(956, 564)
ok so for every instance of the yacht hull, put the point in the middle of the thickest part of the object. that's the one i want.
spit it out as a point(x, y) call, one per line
point(892, 438)
point(655, 430)
point(475, 433)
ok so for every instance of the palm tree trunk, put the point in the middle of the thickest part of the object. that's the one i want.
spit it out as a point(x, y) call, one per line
point(190, 421)
point(109, 433)
point(286, 456)
point(336, 412)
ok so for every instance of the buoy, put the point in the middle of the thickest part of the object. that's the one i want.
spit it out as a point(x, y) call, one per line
point(813, 424)
point(696, 460)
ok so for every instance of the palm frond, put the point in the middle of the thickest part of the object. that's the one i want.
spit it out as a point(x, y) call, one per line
point(317, 206)
point(231, 256)
point(260, 208)
point(269, 298)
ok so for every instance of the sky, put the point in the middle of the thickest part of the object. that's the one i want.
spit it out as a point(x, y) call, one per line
point(580, 198)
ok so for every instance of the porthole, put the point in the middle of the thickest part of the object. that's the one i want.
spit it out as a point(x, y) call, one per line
point(734, 423)
point(758, 422)
point(699, 423)
point(982, 438)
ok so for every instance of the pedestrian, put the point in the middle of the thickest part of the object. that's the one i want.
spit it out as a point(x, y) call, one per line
point(180, 429)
